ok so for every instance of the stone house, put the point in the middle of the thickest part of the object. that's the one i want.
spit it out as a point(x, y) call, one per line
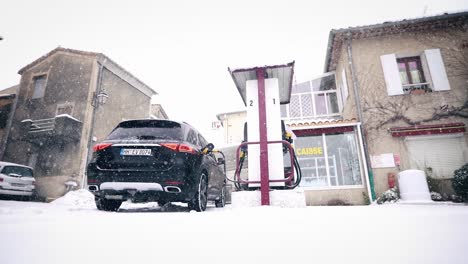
point(406, 82)
point(59, 115)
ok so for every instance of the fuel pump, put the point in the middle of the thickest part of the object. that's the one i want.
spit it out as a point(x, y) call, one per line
point(266, 143)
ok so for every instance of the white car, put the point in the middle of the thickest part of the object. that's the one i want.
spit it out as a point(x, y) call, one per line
point(16, 180)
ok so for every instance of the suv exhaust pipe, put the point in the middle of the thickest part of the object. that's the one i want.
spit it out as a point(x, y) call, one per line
point(93, 188)
point(172, 189)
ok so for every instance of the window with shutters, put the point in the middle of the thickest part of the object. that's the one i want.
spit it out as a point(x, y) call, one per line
point(412, 75)
point(415, 74)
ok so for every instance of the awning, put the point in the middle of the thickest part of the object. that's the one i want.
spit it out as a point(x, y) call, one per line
point(284, 74)
point(418, 130)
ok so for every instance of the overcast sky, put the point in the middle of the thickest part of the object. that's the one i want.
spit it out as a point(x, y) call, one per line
point(182, 49)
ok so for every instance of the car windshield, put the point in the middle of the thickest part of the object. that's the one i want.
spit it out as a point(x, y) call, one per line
point(23, 171)
point(147, 130)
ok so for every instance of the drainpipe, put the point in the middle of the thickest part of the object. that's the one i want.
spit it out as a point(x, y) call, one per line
point(359, 114)
point(93, 120)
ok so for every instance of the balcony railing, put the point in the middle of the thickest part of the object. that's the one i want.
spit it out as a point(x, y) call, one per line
point(418, 88)
point(315, 105)
point(42, 125)
point(58, 129)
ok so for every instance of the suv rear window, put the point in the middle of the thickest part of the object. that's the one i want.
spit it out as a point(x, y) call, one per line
point(147, 130)
point(25, 172)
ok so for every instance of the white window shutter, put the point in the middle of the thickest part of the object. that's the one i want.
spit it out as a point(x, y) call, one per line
point(391, 74)
point(344, 85)
point(437, 70)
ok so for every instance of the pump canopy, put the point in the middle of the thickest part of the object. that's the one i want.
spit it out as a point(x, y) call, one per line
point(284, 74)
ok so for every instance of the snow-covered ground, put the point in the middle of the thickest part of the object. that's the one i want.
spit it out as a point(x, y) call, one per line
point(71, 230)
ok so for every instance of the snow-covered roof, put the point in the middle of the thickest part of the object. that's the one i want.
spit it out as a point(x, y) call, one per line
point(67, 116)
point(338, 36)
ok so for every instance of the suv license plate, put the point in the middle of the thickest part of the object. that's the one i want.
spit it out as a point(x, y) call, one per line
point(135, 152)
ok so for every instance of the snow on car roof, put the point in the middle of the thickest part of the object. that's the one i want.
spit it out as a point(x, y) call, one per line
point(4, 163)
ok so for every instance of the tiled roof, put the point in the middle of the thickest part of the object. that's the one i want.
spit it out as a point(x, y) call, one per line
point(338, 36)
point(320, 123)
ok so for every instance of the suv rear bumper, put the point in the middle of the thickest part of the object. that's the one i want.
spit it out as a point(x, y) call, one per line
point(174, 185)
point(141, 192)
point(137, 186)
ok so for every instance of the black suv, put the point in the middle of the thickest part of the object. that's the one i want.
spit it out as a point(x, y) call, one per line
point(155, 160)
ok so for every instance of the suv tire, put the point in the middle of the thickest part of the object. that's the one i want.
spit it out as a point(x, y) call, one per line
point(107, 205)
point(201, 197)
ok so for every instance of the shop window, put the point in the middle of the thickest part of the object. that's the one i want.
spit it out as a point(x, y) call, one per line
point(311, 157)
point(329, 159)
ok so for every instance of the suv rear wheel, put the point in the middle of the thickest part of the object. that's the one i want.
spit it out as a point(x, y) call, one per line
point(201, 198)
point(107, 205)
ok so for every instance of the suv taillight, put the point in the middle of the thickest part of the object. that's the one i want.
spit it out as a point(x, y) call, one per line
point(101, 146)
point(179, 147)
point(186, 148)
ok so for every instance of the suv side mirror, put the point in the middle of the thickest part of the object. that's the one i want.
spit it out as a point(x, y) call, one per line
point(220, 161)
point(208, 148)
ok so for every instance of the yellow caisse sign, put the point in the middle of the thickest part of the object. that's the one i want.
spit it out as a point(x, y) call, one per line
point(309, 151)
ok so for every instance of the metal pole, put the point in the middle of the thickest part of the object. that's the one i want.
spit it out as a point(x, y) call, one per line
point(264, 173)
